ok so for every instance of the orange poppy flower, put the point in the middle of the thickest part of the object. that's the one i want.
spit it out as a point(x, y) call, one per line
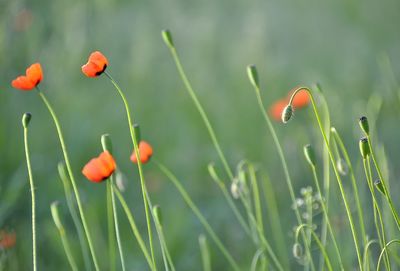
point(301, 99)
point(7, 239)
point(96, 64)
point(100, 168)
point(276, 109)
point(29, 81)
point(145, 151)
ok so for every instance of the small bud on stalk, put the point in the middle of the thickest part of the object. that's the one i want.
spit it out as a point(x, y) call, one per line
point(56, 216)
point(167, 36)
point(287, 113)
point(136, 127)
point(26, 118)
point(106, 143)
point(297, 251)
point(364, 147)
point(364, 124)
point(310, 155)
point(378, 184)
point(253, 75)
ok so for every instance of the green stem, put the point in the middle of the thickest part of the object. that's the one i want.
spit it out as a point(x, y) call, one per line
point(384, 249)
point(110, 182)
point(28, 163)
point(365, 254)
point(383, 181)
point(339, 180)
point(201, 111)
point(360, 212)
point(139, 163)
point(164, 248)
point(197, 212)
point(328, 223)
point(111, 229)
point(71, 176)
point(67, 250)
point(134, 227)
point(205, 253)
point(256, 198)
point(285, 169)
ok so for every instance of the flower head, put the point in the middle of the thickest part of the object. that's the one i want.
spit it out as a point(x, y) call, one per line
point(145, 151)
point(7, 239)
point(100, 168)
point(301, 100)
point(29, 81)
point(96, 65)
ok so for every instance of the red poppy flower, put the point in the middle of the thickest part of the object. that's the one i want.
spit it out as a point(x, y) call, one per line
point(100, 168)
point(145, 152)
point(276, 109)
point(29, 81)
point(301, 99)
point(96, 64)
point(7, 239)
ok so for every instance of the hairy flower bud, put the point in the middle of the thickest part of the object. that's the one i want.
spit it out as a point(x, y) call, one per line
point(253, 75)
point(26, 118)
point(297, 251)
point(364, 147)
point(167, 36)
point(364, 124)
point(287, 113)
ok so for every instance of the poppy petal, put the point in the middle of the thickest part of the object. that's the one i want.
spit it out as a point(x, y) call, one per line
point(91, 171)
point(22, 83)
point(34, 73)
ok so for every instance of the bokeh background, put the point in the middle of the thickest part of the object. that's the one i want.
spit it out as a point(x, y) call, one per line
point(350, 47)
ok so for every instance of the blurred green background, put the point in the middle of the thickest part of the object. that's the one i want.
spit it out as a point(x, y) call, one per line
point(350, 47)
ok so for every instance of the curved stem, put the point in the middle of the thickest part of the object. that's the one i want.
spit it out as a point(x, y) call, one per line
point(71, 176)
point(285, 169)
point(339, 180)
point(28, 164)
point(110, 226)
point(384, 249)
point(360, 212)
point(365, 254)
point(328, 223)
point(197, 212)
point(201, 111)
point(139, 163)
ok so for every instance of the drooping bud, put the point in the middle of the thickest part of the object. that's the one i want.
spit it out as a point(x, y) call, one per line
point(287, 113)
point(297, 251)
point(364, 124)
point(106, 143)
point(253, 75)
point(56, 216)
point(310, 155)
point(167, 36)
point(364, 147)
point(136, 127)
point(157, 214)
point(342, 166)
point(26, 118)
point(378, 184)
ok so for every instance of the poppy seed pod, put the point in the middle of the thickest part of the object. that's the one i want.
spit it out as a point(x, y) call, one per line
point(364, 124)
point(167, 37)
point(378, 184)
point(106, 143)
point(157, 214)
point(310, 155)
point(364, 147)
point(253, 75)
point(26, 118)
point(287, 113)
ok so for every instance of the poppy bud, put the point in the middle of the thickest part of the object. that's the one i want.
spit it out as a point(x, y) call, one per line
point(287, 113)
point(253, 75)
point(167, 36)
point(136, 127)
point(342, 166)
point(26, 118)
point(310, 155)
point(56, 216)
point(378, 184)
point(297, 251)
point(157, 214)
point(235, 190)
point(364, 124)
point(106, 143)
point(364, 147)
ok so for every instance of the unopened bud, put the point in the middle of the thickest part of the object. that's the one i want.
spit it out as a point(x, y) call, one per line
point(364, 147)
point(287, 113)
point(378, 184)
point(235, 190)
point(310, 155)
point(26, 118)
point(167, 36)
point(297, 251)
point(106, 143)
point(56, 216)
point(157, 213)
point(364, 124)
point(136, 127)
point(342, 166)
point(253, 75)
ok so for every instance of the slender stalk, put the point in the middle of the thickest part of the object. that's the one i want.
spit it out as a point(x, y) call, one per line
point(384, 249)
point(205, 253)
point(134, 227)
point(256, 198)
point(339, 180)
point(33, 203)
point(360, 212)
point(285, 168)
point(379, 228)
point(257, 256)
point(71, 176)
point(328, 223)
point(75, 218)
point(197, 212)
point(111, 228)
point(139, 163)
point(116, 224)
point(384, 184)
point(201, 111)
